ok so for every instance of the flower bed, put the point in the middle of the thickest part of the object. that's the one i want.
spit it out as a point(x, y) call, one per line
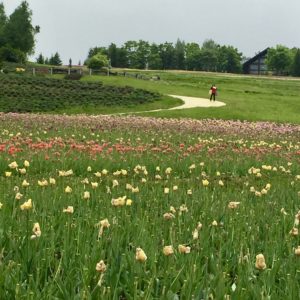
point(30, 94)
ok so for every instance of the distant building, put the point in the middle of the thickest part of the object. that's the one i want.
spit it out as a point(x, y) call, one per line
point(256, 65)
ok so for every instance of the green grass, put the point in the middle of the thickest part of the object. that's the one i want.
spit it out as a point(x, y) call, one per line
point(246, 97)
point(164, 102)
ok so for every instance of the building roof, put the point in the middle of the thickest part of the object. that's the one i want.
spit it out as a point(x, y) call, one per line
point(254, 58)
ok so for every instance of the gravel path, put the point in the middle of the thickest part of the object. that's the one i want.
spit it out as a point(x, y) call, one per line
point(189, 102)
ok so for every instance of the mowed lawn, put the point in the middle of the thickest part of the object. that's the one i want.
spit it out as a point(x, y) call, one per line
point(247, 97)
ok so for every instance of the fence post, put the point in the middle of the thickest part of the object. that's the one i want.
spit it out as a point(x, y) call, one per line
point(33, 71)
point(69, 71)
point(90, 72)
point(51, 71)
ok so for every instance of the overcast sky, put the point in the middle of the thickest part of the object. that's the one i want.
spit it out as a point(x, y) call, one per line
point(71, 27)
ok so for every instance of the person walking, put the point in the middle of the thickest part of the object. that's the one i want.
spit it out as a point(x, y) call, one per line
point(213, 92)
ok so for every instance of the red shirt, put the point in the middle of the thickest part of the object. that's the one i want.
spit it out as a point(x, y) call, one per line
point(213, 90)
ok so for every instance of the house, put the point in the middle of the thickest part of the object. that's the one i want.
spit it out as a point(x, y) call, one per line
point(256, 65)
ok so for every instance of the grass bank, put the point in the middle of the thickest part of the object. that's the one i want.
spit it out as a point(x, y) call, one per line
point(246, 97)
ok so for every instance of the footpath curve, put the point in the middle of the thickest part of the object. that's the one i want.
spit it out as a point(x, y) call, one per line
point(189, 102)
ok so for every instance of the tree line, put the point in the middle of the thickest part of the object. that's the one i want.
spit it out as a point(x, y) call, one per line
point(284, 61)
point(190, 56)
point(53, 60)
point(209, 56)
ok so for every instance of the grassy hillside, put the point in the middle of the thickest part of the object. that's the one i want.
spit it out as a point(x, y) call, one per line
point(20, 93)
point(246, 97)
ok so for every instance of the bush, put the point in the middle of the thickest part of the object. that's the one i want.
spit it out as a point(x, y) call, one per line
point(73, 76)
point(97, 62)
point(10, 54)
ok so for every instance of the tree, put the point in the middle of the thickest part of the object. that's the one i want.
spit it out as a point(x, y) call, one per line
point(209, 56)
point(193, 53)
point(279, 59)
point(131, 47)
point(142, 54)
point(180, 55)
point(122, 61)
point(19, 32)
point(96, 50)
point(229, 60)
point(40, 59)
point(3, 21)
point(208, 60)
point(154, 59)
point(55, 60)
point(210, 44)
point(98, 61)
point(113, 54)
point(296, 64)
point(167, 54)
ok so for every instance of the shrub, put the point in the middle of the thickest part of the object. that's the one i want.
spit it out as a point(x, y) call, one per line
point(10, 54)
point(98, 61)
point(73, 76)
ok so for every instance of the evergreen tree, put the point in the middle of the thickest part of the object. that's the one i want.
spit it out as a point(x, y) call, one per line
point(40, 59)
point(296, 64)
point(55, 60)
point(19, 32)
point(113, 55)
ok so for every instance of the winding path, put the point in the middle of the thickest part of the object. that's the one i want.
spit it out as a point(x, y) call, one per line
point(189, 102)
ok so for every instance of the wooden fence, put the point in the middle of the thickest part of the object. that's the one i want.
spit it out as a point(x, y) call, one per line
point(87, 72)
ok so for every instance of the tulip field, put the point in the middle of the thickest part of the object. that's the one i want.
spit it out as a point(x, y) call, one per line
point(106, 207)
